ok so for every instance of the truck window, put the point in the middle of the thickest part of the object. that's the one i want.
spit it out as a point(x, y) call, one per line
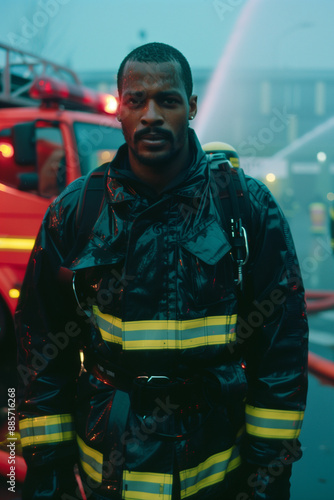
point(50, 161)
point(48, 177)
point(97, 144)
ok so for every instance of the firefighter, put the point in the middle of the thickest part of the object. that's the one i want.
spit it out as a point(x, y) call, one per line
point(143, 356)
point(222, 147)
point(318, 216)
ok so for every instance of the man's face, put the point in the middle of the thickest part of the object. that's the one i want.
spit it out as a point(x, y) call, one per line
point(154, 111)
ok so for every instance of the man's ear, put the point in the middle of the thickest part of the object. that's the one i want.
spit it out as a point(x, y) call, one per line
point(192, 107)
point(118, 111)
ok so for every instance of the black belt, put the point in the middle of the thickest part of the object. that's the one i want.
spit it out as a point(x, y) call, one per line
point(194, 394)
point(188, 401)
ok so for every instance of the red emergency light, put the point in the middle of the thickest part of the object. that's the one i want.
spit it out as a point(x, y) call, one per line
point(51, 90)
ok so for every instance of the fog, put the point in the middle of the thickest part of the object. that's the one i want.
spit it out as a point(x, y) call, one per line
point(263, 72)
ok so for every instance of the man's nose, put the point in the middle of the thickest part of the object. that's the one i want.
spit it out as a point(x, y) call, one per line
point(152, 114)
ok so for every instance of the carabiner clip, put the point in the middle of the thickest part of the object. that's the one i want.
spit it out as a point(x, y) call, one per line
point(242, 262)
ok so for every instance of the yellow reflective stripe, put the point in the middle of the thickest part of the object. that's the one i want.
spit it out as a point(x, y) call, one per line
point(117, 322)
point(91, 460)
point(273, 424)
point(270, 413)
point(49, 438)
point(46, 429)
point(113, 324)
point(109, 337)
point(272, 433)
point(165, 324)
point(214, 459)
point(147, 486)
point(154, 486)
point(209, 472)
point(7, 243)
point(178, 324)
point(45, 420)
point(233, 464)
point(137, 495)
point(176, 343)
point(166, 334)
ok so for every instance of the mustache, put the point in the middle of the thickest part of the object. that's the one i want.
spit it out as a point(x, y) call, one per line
point(155, 130)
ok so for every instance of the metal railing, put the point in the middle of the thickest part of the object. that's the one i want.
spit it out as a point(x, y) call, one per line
point(19, 68)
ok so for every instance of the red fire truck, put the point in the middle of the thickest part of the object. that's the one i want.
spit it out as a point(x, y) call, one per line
point(52, 130)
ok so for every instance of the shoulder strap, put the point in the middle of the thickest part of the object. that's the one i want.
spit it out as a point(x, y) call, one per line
point(89, 207)
point(91, 200)
point(232, 201)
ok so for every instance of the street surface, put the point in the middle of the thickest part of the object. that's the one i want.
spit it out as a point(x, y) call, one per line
point(313, 477)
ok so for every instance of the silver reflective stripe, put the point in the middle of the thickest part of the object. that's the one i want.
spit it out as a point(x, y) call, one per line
point(167, 334)
point(152, 488)
point(218, 470)
point(110, 328)
point(91, 460)
point(147, 486)
point(211, 471)
point(273, 424)
point(46, 429)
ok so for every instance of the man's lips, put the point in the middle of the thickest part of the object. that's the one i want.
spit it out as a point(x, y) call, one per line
point(153, 135)
point(153, 139)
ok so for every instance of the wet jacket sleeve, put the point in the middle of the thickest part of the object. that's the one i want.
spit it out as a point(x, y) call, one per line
point(48, 338)
point(273, 333)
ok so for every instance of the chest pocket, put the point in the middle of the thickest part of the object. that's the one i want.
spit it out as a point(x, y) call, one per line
point(206, 256)
point(99, 266)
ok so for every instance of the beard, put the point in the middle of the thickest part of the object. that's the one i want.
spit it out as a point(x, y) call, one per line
point(158, 158)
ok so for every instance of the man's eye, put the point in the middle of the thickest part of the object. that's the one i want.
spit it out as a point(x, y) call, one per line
point(170, 101)
point(133, 101)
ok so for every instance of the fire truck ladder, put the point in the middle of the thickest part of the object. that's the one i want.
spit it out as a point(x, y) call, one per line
point(19, 68)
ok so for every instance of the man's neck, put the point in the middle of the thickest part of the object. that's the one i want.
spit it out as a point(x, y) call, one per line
point(159, 177)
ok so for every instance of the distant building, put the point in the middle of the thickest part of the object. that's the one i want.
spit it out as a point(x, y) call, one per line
point(301, 100)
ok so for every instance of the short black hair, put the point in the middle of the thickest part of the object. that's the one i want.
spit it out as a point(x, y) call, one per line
point(158, 53)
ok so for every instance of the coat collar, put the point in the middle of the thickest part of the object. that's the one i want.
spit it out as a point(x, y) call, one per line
point(122, 185)
point(105, 247)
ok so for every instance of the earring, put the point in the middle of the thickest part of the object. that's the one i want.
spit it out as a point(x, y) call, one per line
point(191, 117)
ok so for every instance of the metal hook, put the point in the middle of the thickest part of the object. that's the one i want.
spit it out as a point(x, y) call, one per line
point(88, 313)
point(244, 261)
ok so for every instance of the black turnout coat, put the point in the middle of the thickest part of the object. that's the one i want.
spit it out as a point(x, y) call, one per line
point(185, 377)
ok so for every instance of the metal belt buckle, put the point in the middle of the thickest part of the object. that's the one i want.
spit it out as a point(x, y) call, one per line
point(153, 378)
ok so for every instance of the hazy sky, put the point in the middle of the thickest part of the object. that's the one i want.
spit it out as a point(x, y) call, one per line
point(97, 34)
